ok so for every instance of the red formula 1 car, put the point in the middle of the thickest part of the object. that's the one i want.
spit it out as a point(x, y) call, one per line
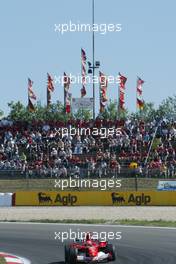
point(89, 250)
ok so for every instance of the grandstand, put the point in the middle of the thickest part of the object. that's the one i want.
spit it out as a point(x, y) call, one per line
point(37, 150)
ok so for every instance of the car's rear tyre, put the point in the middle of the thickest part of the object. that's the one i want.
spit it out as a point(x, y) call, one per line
point(72, 256)
point(111, 249)
point(67, 251)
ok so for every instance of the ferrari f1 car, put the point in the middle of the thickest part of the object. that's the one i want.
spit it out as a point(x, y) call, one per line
point(89, 250)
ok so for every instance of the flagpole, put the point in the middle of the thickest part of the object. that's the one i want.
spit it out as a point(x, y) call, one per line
point(136, 98)
point(28, 94)
point(47, 97)
point(64, 93)
point(118, 102)
point(47, 92)
point(95, 64)
point(93, 59)
point(100, 93)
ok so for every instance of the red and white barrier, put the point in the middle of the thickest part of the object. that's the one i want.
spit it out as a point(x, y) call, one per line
point(11, 259)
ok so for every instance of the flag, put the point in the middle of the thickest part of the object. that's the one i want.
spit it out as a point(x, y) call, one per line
point(123, 80)
point(66, 82)
point(140, 82)
point(103, 91)
point(31, 96)
point(67, 95)
point(50, 88)
point(140, 104)
point(50, 83)
point(83, 72)
point(121, 99)
point(139, 98)
point(31, 107)
point(68, 103)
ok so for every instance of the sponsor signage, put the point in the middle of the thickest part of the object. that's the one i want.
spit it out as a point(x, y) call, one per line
point(166, 186)
point(82, 103)
point(94, 198)
point(130, 199)
point(57, 199)
point(6, 199)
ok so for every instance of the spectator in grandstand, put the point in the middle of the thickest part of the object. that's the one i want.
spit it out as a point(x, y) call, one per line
point(41, 148)
point(91, 167)
point(114, 166)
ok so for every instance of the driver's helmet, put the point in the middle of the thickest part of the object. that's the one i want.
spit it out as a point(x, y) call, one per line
point(88, 239)
point(89, 242)
point(88, 236)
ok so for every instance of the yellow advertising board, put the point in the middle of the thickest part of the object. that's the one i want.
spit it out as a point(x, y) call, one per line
point(102, 198)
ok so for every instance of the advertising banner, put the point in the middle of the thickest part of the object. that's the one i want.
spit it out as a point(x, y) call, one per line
point(94, 198)
point(166, 186)
point(82, 103)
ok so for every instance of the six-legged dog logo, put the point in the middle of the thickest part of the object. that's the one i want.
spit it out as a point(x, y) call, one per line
point(117, 199)
point(43, 198)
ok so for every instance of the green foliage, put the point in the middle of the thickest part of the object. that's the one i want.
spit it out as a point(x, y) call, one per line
point(56, 112)
point(17, 111)
point(83, 114)
point(111, 112)
point(167, 109)
point(147, 114)
point(1, 113)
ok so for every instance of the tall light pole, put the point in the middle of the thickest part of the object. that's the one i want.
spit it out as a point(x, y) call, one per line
point(93, 59)
point(95, 64)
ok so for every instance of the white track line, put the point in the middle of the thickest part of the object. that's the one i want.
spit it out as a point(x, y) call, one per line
point(25, 261)
point(96, 225)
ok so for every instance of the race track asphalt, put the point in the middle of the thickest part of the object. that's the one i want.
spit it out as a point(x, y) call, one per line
point(138, 245)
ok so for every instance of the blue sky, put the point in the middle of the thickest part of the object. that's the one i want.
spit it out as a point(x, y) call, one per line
point(30, 47)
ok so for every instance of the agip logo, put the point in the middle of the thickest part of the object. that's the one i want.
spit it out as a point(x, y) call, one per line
point(131, 199)
point(66, 199)
point(139, 199)
point(117, 198)
point(58, 199)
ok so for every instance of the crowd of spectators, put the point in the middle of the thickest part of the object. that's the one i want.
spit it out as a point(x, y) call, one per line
point(146, 149)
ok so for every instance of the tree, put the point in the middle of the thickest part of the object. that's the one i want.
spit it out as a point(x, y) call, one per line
point(148, 113)
point(167, 109)
point(55, 112)
point(1, 113)
point(111, 112)
point(83, 114)
point(18, 111)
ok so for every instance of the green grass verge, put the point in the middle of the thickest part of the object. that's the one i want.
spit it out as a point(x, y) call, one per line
point(2, 261)
point(131, 222)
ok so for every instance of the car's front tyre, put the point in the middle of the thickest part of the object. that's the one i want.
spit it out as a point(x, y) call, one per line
point(111, 250)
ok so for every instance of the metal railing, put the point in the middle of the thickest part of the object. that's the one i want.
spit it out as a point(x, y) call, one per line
point(77, 172)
